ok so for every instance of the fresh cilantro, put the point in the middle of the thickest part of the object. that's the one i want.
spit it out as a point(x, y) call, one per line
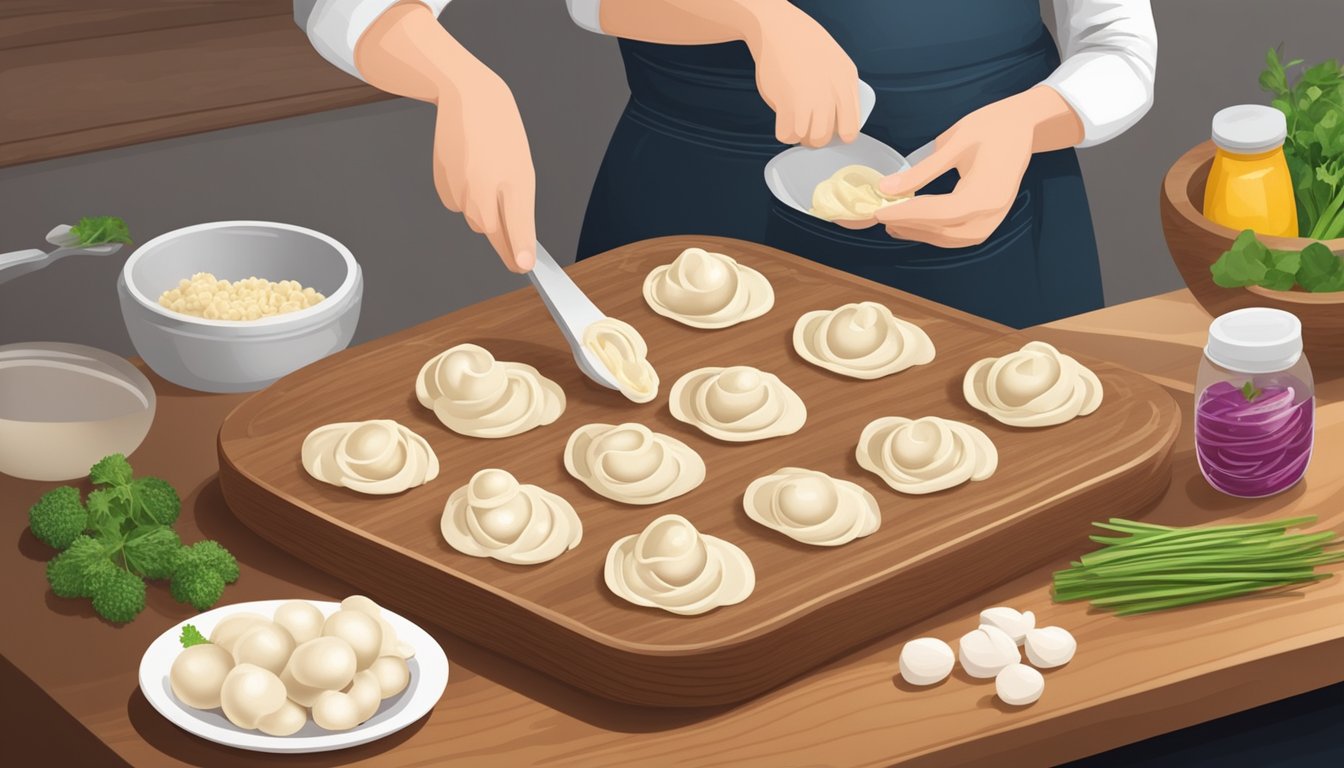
point(97, 230)
point(1249, 390)
point(191, 636)
point(1320, 271)
point(1314, 147)
point(1249, 262)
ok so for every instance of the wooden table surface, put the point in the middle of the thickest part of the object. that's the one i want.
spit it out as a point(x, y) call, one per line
point(1132, 678)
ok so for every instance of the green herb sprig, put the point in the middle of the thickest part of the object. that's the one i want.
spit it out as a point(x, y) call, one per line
point(1314, 147)
point(1155, 567)
point(97, 230)
point(1250, 262)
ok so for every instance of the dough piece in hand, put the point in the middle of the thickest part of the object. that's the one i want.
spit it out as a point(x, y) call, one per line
point(737, 404)
point(493, 515)
point(622, 351)
point(863, 340)
point(671, 565)
point(851, 194)
point(631, 464)
point(812, 507)
point(703, 289)
point(474, 394)
point(374, 457)
point(925, 455)
point(1036, 386)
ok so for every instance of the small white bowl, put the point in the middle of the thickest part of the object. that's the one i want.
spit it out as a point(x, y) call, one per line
point(793, 174)
point(239, 355)
point(63, 407)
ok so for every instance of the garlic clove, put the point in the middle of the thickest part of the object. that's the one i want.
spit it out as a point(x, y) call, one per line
point(1016, 624)
point(1019, 685)
point(926, 660)
point(985, 651)
point(1050, 647)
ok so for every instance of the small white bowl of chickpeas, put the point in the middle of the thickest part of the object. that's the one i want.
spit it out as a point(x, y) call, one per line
point(231, 306)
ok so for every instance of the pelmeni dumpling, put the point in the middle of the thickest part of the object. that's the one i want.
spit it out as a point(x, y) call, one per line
point(851, 193)
point(375, 457)
point(925, 455)
point(1036, 386)
point(812, 507)
point(671, 565)
point(703, 289)
point(493, 515)
point(737, 404)
point(631, 464)
point(476, 395)
point(863, 340)
point(622, 351)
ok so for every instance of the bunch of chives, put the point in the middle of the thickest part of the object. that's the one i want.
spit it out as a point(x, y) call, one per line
point(1153, 567)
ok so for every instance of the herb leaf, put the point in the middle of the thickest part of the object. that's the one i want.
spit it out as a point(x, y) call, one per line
point(97, 230)
point(191, 636)
point(1249, 391)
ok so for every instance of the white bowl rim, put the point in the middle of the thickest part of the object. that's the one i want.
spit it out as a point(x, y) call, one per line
point(77, 357)
point(331, 303)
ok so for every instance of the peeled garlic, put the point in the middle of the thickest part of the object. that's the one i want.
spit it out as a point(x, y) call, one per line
point(926, 660)
point(985, 651)
point(1019, 685)
point(1015, 624)
point(1050, 647)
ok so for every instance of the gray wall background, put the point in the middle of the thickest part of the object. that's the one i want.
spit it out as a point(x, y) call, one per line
point(363, 174)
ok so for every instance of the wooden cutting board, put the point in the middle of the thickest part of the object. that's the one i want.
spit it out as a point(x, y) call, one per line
point(810, 604)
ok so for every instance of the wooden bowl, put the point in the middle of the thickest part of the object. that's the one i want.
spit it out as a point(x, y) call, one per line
point(1196, 243)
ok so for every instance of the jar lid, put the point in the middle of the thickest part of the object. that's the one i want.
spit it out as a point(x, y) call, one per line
point(1255, 340)
point(1249, 128)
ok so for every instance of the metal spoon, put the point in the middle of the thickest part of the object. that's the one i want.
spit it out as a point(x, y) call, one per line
point(572, 311)
point(17, 263)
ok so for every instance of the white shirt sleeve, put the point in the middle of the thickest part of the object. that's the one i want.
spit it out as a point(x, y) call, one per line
point(586, 13)
point(1109, 50)
point(335, 26)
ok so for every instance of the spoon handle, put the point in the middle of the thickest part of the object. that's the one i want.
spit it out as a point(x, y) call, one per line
point(17, 263)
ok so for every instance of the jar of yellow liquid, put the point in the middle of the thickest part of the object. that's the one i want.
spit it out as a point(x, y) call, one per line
point(1249, 186)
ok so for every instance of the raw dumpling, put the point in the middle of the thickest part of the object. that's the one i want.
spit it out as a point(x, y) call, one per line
point(376, 457)
point(812, 507)
point(925, 455)
point(631, 464)
point(495, 516)
point(863, 340)
point(673, 566)
point(703, 289)
point(851, 194)
point(622, 351)
point(737, 404)
point(1036, 386)
point(474, 394)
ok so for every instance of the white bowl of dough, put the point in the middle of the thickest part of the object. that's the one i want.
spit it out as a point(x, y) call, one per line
point(793, 175)
point(220, 355)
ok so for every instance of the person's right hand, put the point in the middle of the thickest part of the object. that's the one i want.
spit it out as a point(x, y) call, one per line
point(805, 76)
point(483, 165)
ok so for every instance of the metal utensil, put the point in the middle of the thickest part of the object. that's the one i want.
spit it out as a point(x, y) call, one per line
point(572, 311)
point(17, 263)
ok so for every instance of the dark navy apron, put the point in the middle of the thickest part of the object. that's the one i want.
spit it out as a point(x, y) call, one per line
point(689, 153)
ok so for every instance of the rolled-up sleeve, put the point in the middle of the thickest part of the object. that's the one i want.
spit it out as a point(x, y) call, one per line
point(335, 26)
point(1109, 50)
point(587, 14)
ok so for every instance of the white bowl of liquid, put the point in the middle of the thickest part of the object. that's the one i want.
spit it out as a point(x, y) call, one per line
point(63, 407)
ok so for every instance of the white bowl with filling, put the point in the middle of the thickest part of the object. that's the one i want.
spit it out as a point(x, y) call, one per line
point(242, 355)
point(63, 407)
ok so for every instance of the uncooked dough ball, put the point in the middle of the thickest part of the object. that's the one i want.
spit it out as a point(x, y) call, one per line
point(230, 628)
point(267, 645)
point(925, 661)
point(305, 695)
point(1019, 685)
point(285, 721)
point(301, 619)
point(362, 604)
point(198, 673)
point(337, 711)
point(327, 663)
point(985, 651)
point(1050, 647)
point(393, 675)
point(360, 630)
point(250, 693)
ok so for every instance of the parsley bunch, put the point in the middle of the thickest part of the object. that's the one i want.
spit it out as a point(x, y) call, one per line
point(1250, 262)
point(97, 230)
point(1314, 148)
point(120, 536)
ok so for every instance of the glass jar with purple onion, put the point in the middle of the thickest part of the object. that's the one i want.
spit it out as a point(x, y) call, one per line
point(1255, 404)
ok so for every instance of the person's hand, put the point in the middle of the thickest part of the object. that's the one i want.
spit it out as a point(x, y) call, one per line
point(805, 76)
point(483, 165)
point(990, 149)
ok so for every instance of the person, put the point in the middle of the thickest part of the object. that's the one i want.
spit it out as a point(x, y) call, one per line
point(1001, 226)
point(482, 162)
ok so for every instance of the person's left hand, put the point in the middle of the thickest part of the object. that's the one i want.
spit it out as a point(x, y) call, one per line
point(990, 149)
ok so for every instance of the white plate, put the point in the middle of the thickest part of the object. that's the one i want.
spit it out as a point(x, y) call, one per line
point(429, 676)
point(793, 174)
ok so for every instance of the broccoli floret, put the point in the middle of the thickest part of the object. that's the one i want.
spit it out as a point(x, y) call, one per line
point(111, 470)
point(153, 554)
point(198, 587)
point(118, 595)
point(159, 502)
point(69, 572)
point(209, 555)
point(58, 518)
